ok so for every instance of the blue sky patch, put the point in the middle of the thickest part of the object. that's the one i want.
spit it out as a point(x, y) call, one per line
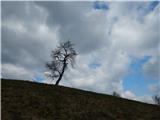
point(94, 65)
point(138, 63)
point(136, 80)
point(145, 10)
point(100, 5)
point(153, 5)
point(38, 78)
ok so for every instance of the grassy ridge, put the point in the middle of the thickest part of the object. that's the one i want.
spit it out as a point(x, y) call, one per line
point(22, 100)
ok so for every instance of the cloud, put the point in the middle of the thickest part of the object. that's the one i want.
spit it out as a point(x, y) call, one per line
point(155, 88)
point(129, 95)
point(26, 40)
point(16, 72)
point(146, 98)
point(152, 68)
point(78, 19)
point(109, 38)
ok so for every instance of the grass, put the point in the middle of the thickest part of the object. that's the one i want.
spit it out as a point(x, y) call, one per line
point(22, 100)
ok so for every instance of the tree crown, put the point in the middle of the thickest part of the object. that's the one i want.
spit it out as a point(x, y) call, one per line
point(63, 55)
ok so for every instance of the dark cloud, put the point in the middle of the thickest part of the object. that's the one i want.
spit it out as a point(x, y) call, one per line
point(74, 21)
point(23, 42)
point(152, 68)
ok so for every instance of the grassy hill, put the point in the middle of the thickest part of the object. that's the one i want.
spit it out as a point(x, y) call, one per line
point(22, 100)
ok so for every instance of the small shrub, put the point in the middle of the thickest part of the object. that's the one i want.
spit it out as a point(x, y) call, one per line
point(116, 94)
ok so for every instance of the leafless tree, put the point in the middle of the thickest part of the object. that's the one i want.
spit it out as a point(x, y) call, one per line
point(116, 94)
point(63, 55)
point(156, 99)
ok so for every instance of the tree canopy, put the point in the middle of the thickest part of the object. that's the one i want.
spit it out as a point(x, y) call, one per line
point(63, 55)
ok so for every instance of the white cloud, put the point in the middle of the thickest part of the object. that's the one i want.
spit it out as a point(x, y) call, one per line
point(155, 88)
point(129, 95)
point(146, 99)
point(16, 72)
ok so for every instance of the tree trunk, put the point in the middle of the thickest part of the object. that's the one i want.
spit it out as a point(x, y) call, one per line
point(60, 77)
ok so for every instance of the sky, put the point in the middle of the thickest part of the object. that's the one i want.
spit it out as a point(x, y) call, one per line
point(117, 44)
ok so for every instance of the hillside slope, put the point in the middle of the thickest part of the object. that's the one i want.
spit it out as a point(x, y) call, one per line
point(22, 100)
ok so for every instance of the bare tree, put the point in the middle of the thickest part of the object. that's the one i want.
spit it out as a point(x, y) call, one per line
point(156, 99)
point(63, 55)
point(116, 94)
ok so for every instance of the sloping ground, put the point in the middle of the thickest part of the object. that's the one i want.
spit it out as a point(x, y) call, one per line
point(21, 100)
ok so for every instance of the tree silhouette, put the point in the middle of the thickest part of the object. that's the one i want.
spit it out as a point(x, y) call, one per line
point(156, 99)
point(63, 55)
point(116, 94)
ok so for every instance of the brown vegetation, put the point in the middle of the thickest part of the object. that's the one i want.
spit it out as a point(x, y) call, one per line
point(22, 100)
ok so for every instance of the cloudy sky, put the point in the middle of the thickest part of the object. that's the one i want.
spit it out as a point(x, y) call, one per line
point(117, 44)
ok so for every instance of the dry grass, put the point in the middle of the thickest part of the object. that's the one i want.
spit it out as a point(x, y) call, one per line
point(23, 100)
